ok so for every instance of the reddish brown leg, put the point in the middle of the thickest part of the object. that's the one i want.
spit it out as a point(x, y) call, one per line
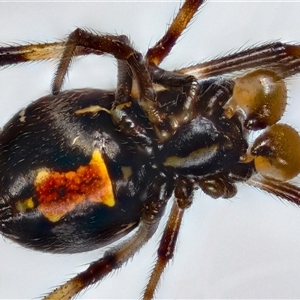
point(162, 48)
point(165, 252)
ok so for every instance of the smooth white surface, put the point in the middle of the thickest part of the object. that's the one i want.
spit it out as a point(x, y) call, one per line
point(246, 247)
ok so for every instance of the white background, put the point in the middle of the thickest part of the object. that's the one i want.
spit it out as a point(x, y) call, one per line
point(246, 247)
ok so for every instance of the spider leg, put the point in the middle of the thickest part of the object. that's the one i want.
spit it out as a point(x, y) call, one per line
point(43, 51)
point(172, 80)
point(122, 112)
point(115, 257)
point(183, 199)
point(162, 48)
point(284, 59)
point(118, 46)
point(125, 79)
point(284, 190)
point(35, 52)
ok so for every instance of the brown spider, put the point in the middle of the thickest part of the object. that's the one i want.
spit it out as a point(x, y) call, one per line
point(101, 86)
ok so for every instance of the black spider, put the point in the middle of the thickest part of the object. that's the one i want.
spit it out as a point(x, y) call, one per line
point(82, 168)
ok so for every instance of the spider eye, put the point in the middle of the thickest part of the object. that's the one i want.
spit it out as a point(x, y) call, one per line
point(276, 154)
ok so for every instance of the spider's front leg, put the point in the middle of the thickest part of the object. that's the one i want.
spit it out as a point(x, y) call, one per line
point(284, 59)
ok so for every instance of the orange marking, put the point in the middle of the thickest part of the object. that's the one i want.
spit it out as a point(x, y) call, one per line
point(59, 193)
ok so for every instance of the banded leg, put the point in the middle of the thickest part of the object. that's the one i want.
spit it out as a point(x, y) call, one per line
point(282, 58)
point(114, 258)
point(36, 52)
point(183, 199)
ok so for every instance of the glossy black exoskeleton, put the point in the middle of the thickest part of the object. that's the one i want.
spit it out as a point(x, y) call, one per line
point(62, 139)
point(64, 133)
point(82, 168)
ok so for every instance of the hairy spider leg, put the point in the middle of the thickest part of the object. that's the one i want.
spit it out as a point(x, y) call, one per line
point(282, 58)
